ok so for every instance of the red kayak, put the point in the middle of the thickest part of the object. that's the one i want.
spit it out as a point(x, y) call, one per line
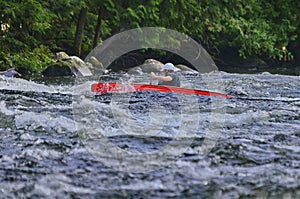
point(114, 87)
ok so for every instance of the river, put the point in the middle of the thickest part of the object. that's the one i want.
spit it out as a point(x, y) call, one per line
point(45, 152)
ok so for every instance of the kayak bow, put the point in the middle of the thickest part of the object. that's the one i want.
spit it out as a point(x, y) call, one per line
point(114, 87)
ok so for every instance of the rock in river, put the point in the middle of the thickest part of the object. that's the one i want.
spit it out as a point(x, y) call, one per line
point(10, 73)
point(68, 66)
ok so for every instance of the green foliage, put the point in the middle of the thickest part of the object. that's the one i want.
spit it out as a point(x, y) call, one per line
point(255, 28)
point(36, 60)
point(27, 22)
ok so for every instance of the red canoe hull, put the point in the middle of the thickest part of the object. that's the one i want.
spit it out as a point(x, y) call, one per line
point(114, 87)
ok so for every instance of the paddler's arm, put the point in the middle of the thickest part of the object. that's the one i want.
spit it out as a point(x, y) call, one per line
point(161, 78)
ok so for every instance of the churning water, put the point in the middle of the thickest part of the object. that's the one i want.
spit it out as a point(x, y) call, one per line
point(256, 153)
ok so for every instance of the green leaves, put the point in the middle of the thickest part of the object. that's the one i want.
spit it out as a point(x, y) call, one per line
point(35, 60)
point(255, 28)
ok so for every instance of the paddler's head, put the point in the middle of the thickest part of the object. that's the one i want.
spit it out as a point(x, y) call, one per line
point(168, 68)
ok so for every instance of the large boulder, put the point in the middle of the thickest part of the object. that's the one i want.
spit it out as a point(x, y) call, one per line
point(97, 66)
point(78, 66)
point(95, 62)
point(150, 65)
point(58, 69)
point(68, 66)
point(61, 55)
point(185, 68)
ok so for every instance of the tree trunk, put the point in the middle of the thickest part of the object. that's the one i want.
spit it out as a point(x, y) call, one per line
point(79, 32)
point(297, 49)
point(294, 47)
point(98, 27)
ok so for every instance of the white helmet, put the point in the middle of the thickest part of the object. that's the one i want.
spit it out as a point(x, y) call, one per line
point(168, 66)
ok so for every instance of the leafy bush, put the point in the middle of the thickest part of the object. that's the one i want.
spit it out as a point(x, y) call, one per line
point(254, 28)
point(37, 60)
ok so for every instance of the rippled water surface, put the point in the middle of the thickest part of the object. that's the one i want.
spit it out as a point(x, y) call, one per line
point(51, 133)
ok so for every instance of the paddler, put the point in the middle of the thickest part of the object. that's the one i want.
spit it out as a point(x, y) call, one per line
point(170, 78)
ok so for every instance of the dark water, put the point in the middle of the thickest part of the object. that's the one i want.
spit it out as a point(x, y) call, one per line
point(45, 152)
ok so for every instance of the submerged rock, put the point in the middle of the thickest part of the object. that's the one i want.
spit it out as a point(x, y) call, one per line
point(279, 138)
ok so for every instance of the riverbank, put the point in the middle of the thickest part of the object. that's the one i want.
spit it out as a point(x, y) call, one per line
point(63, 65)
point(294, 71)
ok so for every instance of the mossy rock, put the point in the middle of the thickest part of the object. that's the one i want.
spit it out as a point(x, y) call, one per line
point(95, 63)
point(58, 69)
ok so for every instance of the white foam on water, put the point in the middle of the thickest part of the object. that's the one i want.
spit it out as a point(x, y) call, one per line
point(57, 186)
point(46, 120)
point(40, 154)
point(4, 110)
point(18, 84)
point(144, 185)
point(246, 118)
point(83, 88)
